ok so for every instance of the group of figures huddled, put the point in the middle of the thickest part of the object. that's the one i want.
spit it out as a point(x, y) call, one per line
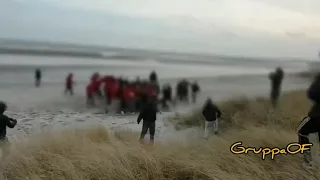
point(132, 95)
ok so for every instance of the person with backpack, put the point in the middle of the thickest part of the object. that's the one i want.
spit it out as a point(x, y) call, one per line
point(211, 113)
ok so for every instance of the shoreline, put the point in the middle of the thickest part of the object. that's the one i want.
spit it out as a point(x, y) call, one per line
point(47, 109)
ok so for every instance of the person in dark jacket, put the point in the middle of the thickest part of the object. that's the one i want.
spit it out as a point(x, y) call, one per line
point(149, 116)
point(166, 96)
point(5, 122)
point(211, 113)
point(69, 84)
point(311, 123)
point(153, 77)
point(276, 81)
point(37, 76)
point(195, 89)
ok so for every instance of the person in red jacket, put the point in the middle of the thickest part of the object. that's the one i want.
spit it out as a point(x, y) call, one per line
point(130, 96)
point(69, 84)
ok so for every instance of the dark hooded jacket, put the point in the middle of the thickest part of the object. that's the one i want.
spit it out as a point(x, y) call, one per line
point(276, 80)
point(5, 121)
point(195, 88)
point(313, 94)
point(210, 111)
point(148, 112)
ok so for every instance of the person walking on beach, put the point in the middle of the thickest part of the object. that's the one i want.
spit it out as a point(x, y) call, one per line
point(153, 77)
point(149, 116)
point(5, 122)
point(276, 81)
point(195, 89)
point(38, 76)
point(69, 84)
point(166, 96)
point(211, 113)
point(311, 123)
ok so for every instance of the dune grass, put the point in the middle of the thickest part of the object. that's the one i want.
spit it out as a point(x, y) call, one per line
point(96, 154)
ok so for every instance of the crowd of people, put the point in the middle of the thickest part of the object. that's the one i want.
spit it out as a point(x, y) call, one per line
point(132, 95)
point(143, 96)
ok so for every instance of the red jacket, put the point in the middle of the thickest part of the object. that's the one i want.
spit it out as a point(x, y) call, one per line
point(129, 94)
point(89, 90)
point(113, 89)
point(96, 85)
point(152, 92)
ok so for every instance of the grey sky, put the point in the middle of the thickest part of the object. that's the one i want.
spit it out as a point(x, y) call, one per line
point(273, 28)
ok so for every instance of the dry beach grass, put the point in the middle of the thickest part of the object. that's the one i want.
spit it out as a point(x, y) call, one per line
point(94, 154)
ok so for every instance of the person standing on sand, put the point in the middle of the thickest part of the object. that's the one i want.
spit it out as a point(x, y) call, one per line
point(276, 81)
point(311, 123)
point(211, 113)
point(149, 116)
point(195, 89)
point(166, 96)
point(69, 84)
point(37, 76)
point(5, 122)
point(153, 77)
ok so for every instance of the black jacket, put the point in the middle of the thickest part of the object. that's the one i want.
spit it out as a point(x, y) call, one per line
point(276, 81)
point(38, 74)
point(211, 112)
point(313, 94)
point(195, 88)
point(148, 112)
point(5, 122)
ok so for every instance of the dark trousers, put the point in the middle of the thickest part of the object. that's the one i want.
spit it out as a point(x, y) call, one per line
point(274, 96)
point(165, 101)
point(194, 97)
point(151, 126)
point(123, 105)
point(90, 100)
point(68, 90)
point(307, 126)
point(38, 82)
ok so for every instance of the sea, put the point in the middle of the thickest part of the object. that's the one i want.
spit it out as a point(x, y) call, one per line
point(18, 69)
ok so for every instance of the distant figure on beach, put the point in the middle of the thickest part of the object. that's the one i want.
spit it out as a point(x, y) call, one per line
point(166, 96)
point(182, 91)
point(149, 116)
point(69, 84)
point(195, 89)
point(276, 82)
point(211, 113)
point(153, 77)
point(89, 93)
point(311, 123)
point(5, 122)
point(37, 77)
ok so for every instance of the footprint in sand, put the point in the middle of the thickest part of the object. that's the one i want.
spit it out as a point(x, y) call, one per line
point(26, 120)
point(80, 120)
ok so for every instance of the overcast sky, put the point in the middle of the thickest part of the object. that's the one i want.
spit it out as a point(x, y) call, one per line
point(275, 28)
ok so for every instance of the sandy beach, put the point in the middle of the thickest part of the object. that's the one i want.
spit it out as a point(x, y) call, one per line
point(47, 109)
